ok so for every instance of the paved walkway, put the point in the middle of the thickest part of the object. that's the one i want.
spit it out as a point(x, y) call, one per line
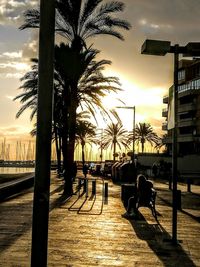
point(91, 232)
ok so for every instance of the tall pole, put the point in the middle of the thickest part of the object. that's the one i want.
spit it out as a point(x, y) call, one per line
point(133, 108)
point(101, 145)
point(174, 148)
point(43, 139)
point(133, 132)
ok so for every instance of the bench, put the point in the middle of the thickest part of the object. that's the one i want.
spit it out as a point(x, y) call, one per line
point(129, 190)
point(149, 203)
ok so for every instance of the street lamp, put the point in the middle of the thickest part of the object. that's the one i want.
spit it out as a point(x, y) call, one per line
point(101, 144)
point(133, 108)
point(161, 48)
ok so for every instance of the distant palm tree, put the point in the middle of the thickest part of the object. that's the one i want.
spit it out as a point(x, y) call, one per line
point(115, 135)
point(144, 133)
point(85, 133)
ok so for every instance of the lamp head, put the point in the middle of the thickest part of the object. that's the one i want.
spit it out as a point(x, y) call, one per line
point(155, 47)
point(192, 49)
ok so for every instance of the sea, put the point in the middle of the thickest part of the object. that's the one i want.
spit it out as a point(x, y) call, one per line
point(14, 170)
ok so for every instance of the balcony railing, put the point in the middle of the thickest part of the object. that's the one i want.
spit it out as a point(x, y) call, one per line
point(191, 85)
point(186, 122)
point(165, 99)
point(186, 107)
point(164, 126)
point(164, 112)
point(185, 138)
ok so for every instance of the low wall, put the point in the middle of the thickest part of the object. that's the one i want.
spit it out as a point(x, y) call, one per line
point(189, 163)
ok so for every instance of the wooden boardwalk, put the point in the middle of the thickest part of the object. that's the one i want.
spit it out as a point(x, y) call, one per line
point(91, 232)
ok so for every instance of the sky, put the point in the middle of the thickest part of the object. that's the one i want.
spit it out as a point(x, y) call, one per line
point(145, 79)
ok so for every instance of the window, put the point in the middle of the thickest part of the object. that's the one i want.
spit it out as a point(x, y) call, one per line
point(181, 75)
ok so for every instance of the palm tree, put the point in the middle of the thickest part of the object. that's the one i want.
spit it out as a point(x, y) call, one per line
point(144, 133)
point(28, 98)
point(91, 87)
point(85, 133)
point(115, 135)
point(161, 144)
point(86, 78)
point(77, 21)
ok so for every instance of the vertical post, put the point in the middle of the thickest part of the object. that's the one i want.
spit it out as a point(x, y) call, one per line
point(43, 139)
point(86, 187)
point(189, 185)
point(133, 132)
point(174, 149)
point(94, 187)
point(106, 190)
point(101, 145)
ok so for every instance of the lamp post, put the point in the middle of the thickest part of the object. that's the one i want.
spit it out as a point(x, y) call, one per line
point(161, 48)
point(43, 138)
point(133, 108)
point(101, 144)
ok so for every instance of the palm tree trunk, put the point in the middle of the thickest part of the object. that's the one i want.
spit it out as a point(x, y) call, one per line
point(68, 186)
point(70, 143)
point(83, 154)
point(114, 150)
point(58, 150)
point(142, 143)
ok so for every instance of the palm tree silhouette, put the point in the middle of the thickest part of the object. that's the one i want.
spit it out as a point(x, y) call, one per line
point(144, 133)
point(115, 135)
point(91, 87)
point(85, 133)
point(77, 21)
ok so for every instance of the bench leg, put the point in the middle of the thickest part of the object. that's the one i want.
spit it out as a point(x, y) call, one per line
point(154, 213)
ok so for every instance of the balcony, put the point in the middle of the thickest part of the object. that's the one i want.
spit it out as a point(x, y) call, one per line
point(164, 126)
point(165, 99)
point(186, 122)
point(180, 138)
point(191, 85)
point(185, 138)
point(164, 112)
point(167, 140)
point(186, 107)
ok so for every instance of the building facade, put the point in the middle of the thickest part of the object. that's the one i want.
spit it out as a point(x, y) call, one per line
point(188, 124)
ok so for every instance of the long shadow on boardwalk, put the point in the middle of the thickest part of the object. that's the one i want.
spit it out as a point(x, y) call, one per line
point(160, 242)
point(16, 218)
point(188, 201)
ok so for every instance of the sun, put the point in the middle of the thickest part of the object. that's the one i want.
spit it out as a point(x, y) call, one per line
point(148, 102)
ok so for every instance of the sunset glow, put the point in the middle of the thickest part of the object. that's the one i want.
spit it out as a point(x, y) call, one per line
point(144, 79)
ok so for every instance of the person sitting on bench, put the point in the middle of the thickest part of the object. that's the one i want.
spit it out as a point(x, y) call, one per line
point(141, 197)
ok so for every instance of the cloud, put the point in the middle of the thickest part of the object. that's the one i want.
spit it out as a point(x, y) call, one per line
point(9, 97)
point(12, 54)
point(14, 131)
point(18, 66)
point(11, 11)
point(30, 49)
point(13, 69)
point(153, 28)
point(13, 75)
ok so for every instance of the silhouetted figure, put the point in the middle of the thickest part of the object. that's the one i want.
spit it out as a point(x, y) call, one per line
point(74, 171)
point(85, 170)
point(142, 195)
point(155, 170)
